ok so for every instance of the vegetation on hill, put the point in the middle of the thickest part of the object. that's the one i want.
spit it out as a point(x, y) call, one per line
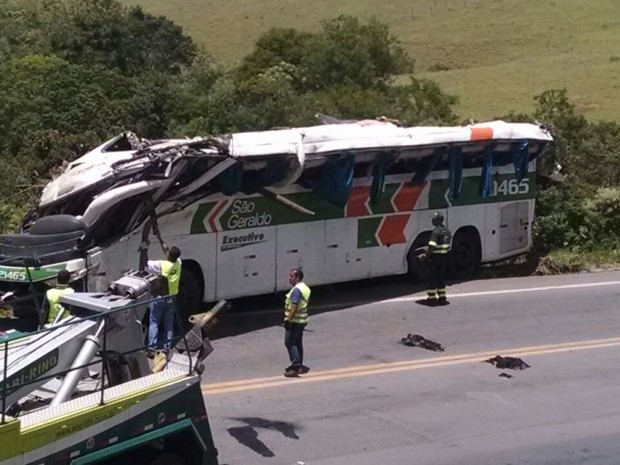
point(76, 72)
point(493, 54)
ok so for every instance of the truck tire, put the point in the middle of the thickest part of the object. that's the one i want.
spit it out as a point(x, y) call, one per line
point(167, 458)
point(190, 297)
point(465, 255)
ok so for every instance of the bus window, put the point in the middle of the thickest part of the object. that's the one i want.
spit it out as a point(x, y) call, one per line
point(115, 222)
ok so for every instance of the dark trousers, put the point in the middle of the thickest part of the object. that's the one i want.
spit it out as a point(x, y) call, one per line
point(293, 340)
point(437, 279)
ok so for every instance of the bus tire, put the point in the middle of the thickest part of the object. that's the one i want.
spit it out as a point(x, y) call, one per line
point(465, 254)
point(416, 268)
point(167, 459)
point(190, 296)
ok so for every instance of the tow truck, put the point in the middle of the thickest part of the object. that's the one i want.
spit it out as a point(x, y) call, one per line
point(84, 391)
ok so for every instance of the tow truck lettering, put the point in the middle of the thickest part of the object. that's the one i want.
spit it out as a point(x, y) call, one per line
point(244, 215)
point(32, 372)
point(86, 423)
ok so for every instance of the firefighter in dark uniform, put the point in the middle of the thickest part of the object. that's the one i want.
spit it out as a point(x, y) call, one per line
point(438, 248)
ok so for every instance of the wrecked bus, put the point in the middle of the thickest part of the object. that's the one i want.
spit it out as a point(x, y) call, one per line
point(344, 200)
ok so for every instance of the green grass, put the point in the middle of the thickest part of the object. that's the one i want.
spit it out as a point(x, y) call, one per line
point(494, 54)
point(567, 261)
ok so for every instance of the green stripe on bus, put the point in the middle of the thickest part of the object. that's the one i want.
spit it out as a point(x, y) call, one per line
point(367, 232)
point(505, 189)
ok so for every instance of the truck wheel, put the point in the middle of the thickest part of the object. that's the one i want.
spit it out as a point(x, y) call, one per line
point(416, 268)
point(167, 459)
point(465, 255)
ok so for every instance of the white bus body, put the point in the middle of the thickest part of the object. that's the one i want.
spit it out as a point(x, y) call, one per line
point(342, 201)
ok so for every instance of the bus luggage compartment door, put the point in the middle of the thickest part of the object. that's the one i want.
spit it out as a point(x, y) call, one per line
point(344, 261)
point(246, 262)
point(300, 246)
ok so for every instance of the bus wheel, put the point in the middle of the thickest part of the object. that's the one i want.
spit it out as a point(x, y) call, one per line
point(465, 255)
point(167, 459)
point(189, 298)
point(416, 268)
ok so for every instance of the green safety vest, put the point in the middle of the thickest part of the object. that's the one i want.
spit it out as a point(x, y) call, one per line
point(301, 315)
point(53, 299)
point(172, 273)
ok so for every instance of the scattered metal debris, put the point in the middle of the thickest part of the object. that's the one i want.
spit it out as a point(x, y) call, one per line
point(415, 340)
point(510, 363)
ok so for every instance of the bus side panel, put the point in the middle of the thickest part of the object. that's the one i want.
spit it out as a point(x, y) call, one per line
point(300, 245)
point(490, 247)
point(246, 262)
point(113, 261)
point(467, 215)
point(344, 261)
point(393, 237)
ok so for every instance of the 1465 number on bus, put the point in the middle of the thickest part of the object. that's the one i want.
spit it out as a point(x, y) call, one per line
point(511, 187)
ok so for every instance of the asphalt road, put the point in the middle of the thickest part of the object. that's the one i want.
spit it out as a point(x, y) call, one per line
point(369, 399)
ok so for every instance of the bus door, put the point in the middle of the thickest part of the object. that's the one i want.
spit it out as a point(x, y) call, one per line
point(300, 245)
point(514, 227)
point(246, 262)
point(343, 259)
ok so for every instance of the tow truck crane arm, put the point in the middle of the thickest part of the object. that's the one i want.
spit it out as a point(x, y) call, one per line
point(53, 413)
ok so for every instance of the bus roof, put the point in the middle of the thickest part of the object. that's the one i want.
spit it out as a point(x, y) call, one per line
point(128, 157)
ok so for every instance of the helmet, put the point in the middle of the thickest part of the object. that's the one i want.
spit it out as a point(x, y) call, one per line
point(437, 219)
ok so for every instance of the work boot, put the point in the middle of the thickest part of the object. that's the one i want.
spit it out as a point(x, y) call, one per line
point(291, 373)
point(303, 369)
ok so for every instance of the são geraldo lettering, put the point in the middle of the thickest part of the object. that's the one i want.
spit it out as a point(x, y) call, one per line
point(243, 215)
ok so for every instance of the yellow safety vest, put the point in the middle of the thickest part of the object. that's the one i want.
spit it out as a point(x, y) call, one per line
point(53, 299)
point(440, 240)
point(172, 273)
point(301, 315)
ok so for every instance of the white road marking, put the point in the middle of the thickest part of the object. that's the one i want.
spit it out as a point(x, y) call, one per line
point(422, 295)
point(506, 291)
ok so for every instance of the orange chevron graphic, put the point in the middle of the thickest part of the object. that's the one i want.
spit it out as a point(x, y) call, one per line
point(357, 205)
point(406, 197)
point(392, 230)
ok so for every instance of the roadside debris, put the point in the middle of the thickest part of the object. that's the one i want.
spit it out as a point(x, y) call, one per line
point(505, 375)
point(415, 340)
point(510, 363)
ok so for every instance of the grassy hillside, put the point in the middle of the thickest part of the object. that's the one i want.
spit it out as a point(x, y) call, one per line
point(494, 54)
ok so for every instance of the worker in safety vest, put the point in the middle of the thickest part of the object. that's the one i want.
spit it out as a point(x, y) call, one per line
point(295, 320)
point(438, 248)
point(52, 310)
point(162, 311)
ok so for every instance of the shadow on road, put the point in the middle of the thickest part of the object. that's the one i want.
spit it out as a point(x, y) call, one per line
point(254, 313)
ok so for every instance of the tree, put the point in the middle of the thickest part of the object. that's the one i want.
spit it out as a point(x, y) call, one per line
point(343, 52)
